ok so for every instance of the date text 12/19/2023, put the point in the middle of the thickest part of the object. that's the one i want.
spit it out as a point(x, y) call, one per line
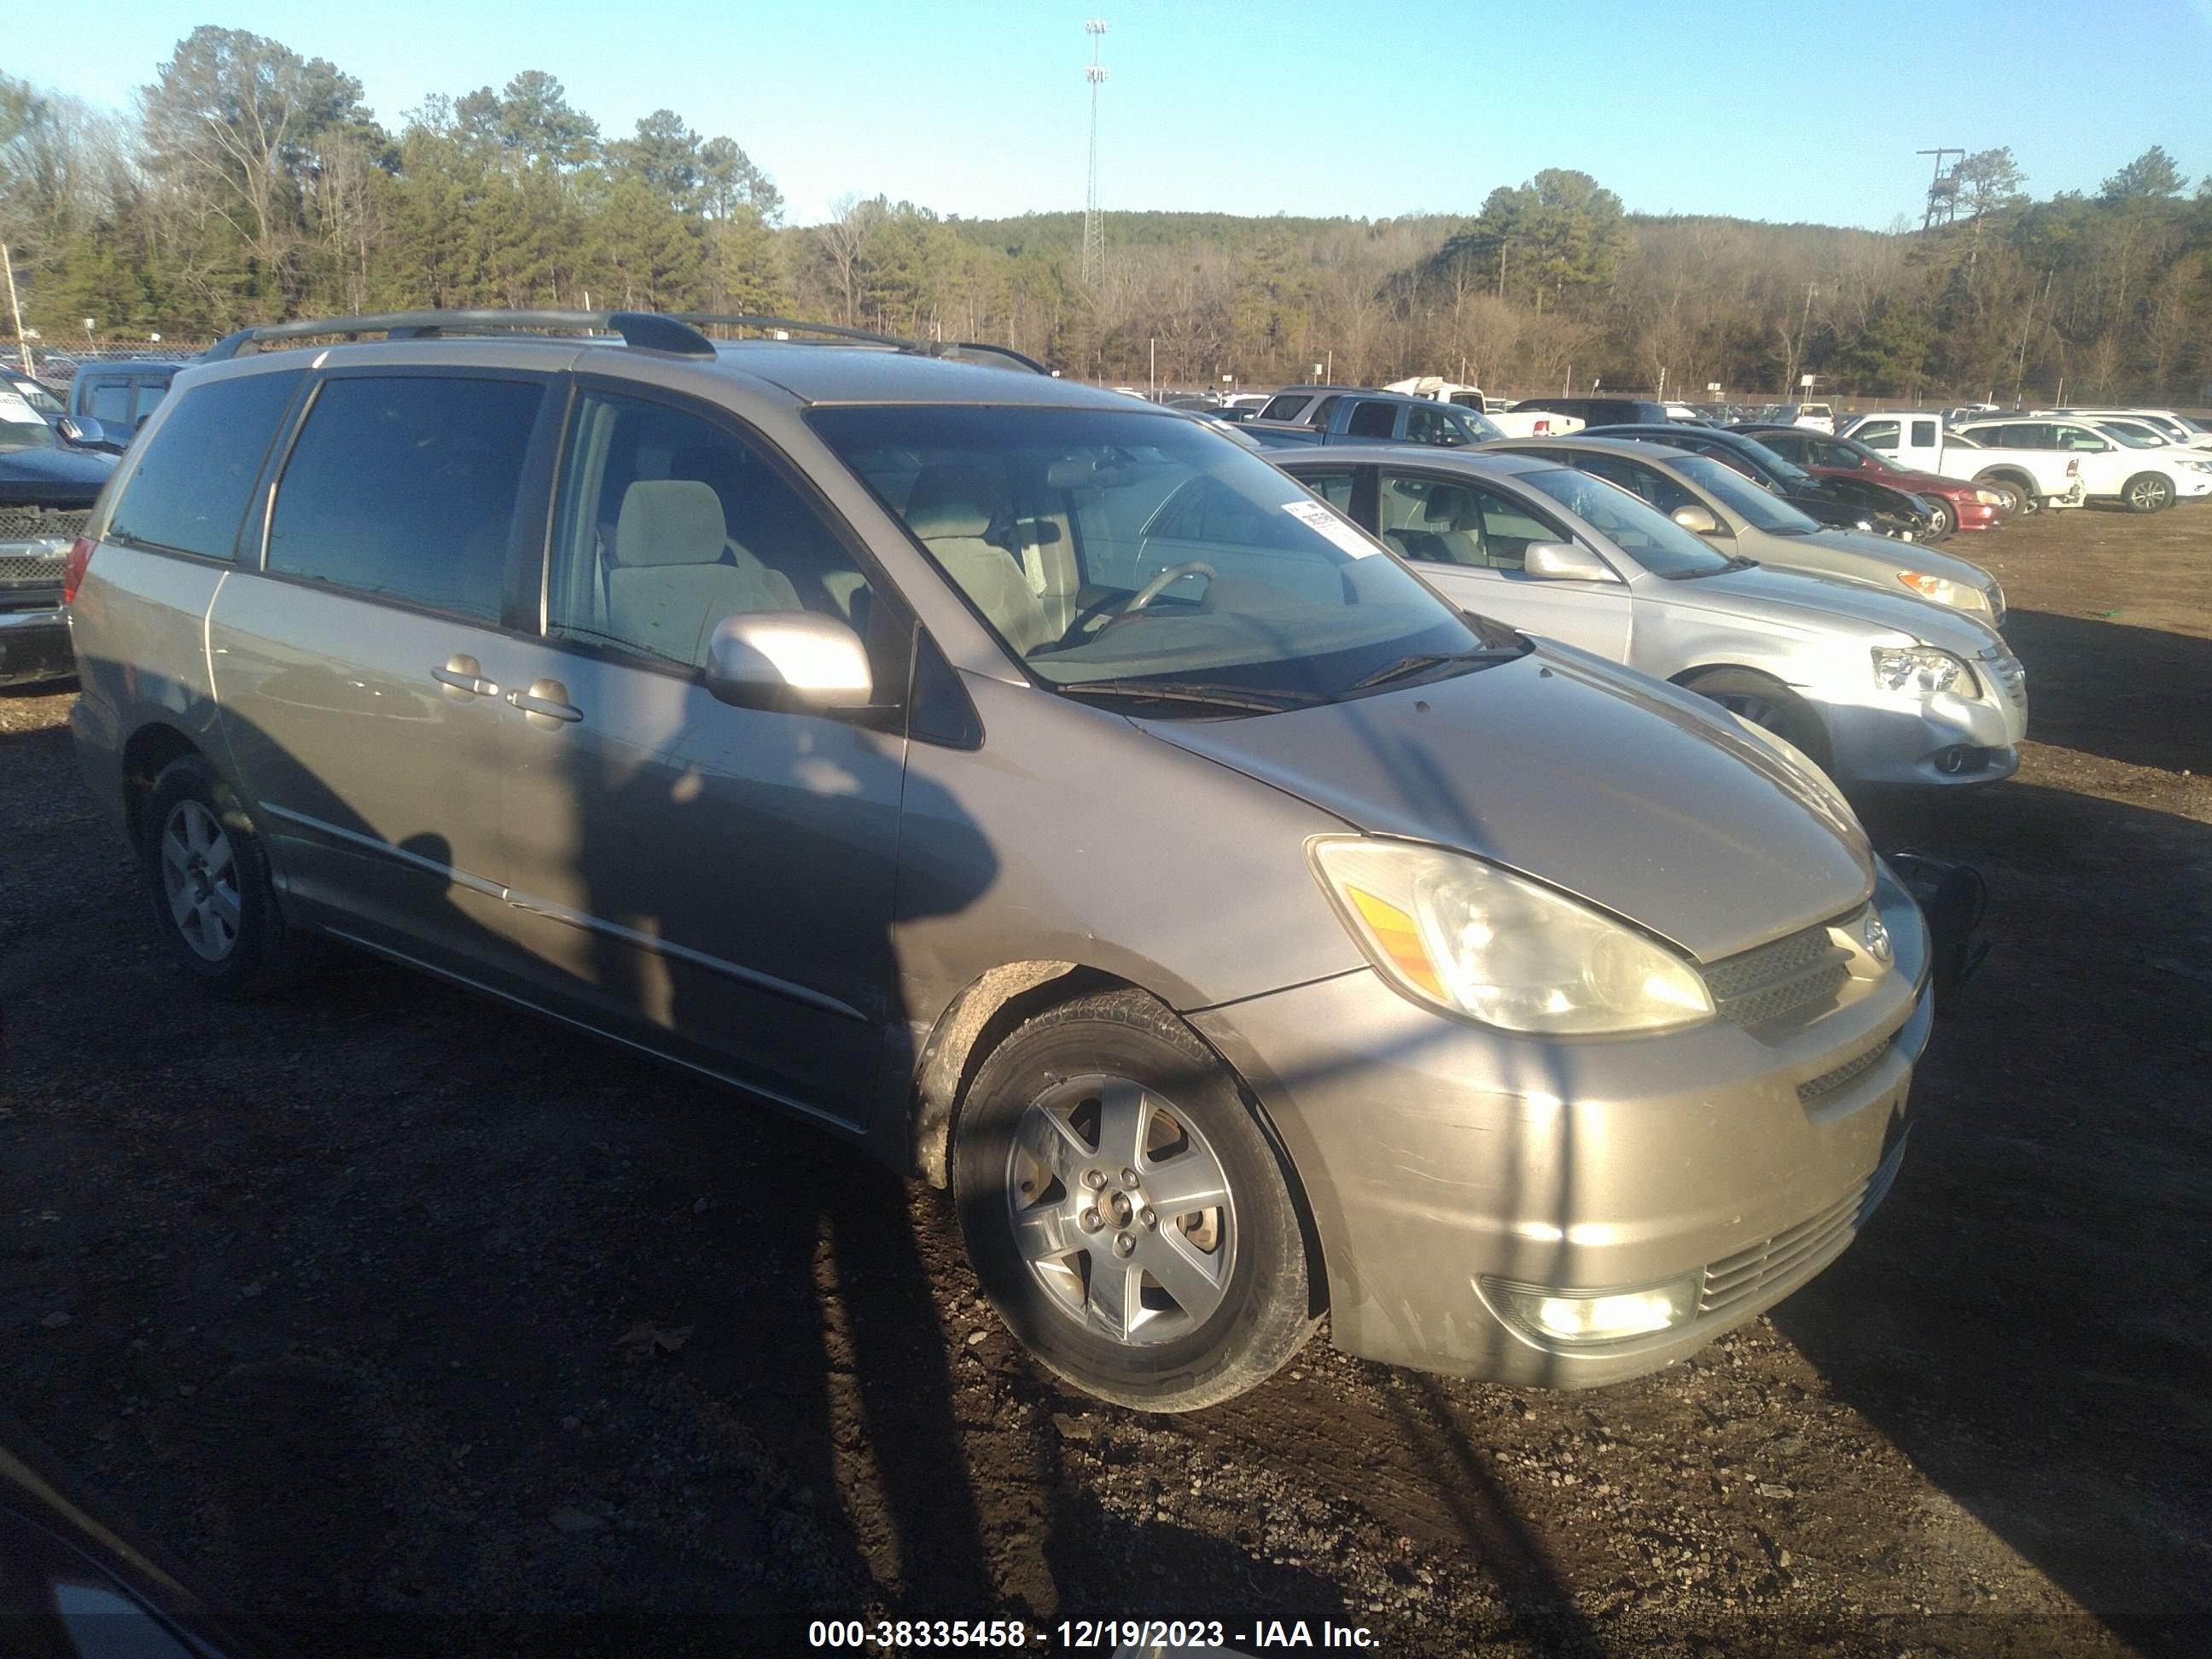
point(1112, 1635)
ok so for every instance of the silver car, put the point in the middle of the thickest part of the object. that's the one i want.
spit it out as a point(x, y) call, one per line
point(1874, 687)
point(1030, 787)
point(1715, 502)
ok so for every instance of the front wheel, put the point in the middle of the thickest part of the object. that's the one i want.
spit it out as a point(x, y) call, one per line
point(2148, 492)
point(1128, 1219)
point(1942, 520)
point(1769, 704)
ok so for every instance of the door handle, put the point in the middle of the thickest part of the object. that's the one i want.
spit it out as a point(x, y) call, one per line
point(464, 674)
point(547, 701)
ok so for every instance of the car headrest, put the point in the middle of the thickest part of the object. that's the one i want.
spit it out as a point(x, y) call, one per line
point(1446, 506)
point(949, 502)
point(669, 521)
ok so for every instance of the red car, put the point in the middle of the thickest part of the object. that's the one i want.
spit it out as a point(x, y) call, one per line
point(1967, 505)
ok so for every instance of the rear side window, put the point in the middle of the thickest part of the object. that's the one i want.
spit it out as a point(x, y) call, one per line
point(404, 486)
point(1372, 420)
point(189, 491)
point(1285, 407)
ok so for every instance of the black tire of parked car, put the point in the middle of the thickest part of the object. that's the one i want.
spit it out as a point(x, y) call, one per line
point(269, 955)
point(1943, 519)
point(2022, 499)
point(1266, 1314)
point(2148, 492)
point(1765, 701)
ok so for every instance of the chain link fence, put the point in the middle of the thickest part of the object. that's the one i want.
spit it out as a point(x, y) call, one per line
point(56, 362)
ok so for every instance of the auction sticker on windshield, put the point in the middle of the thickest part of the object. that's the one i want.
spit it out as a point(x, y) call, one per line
point(14, 407)
point(1341, 535)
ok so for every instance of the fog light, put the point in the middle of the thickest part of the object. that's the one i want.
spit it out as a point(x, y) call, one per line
point(1602, 1315)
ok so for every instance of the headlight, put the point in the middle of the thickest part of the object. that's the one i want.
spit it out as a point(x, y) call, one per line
point(1470, 938)
point(1920, 668)
point(1988, 498)
point(1944, 591)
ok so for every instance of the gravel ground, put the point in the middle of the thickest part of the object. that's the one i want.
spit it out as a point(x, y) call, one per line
point(410, 1317)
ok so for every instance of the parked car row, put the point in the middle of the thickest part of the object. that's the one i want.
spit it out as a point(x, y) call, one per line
point(1409, 883)
point(2044, 461)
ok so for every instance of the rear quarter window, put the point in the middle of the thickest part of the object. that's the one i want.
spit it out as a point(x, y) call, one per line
point(190, 490)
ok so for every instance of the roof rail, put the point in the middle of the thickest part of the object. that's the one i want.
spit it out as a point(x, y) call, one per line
point(648, 331)
point(957, 350)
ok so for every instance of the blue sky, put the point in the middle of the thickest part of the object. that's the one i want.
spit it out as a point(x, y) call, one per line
point(1366, 108)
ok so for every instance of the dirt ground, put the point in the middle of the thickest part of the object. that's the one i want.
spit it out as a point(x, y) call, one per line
point(445, 1330)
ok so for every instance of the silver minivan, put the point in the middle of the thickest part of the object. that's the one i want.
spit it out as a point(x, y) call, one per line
point(1032, 787)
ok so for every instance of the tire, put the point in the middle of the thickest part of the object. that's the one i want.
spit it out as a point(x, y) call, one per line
point(2020, 500)
point(1064, 1097)
point(2148, 492)
point(1765, 701)
point(1946, 519)
point(208, 878)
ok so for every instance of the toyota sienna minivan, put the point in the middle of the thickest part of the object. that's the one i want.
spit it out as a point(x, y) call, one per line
point(1030, 786)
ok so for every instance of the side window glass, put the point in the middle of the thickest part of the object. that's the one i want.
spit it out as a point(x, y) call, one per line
point(189, 490)
point(110, 402)
point(1319, 414)
point(1661, 492)
point(1882, 435)
point(1924, 434)
point(404, 486)
point(1428, 426)
point(1509, 529)
point(1334, 488)
point(2074, 437)
point(669, 522)
point(1371, 419)
point(1284, 407)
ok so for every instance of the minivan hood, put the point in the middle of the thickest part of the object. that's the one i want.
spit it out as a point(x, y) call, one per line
point(1814, 598)
point(1628, 794)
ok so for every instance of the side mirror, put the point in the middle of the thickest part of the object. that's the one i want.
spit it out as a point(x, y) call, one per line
point(82, 430)
point(791, 660)
point(1696, 521)
point(1564, 562)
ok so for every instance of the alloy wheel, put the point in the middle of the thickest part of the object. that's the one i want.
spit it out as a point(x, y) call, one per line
point(199, 878)
point(1121, 1209)
point(2148, 494)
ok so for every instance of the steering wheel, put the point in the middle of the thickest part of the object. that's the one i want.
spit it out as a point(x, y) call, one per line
point(1159, 584)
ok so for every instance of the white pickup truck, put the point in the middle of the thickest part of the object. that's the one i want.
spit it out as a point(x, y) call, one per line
point(2040, 462)
point(1529, 423)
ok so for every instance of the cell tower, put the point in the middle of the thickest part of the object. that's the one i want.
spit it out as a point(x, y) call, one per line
point(1094, 227)
point(1942, 190)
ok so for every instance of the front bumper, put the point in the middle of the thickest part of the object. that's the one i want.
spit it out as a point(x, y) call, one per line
point(1442, 1159)
point(1948, 740)
point(35, 646)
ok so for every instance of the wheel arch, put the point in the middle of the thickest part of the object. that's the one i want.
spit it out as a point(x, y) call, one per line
point(145, 754)
point(991, 1007)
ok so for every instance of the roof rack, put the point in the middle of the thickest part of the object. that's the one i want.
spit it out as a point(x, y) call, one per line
point(648, 331)
point(968, 351)
point(676, 333)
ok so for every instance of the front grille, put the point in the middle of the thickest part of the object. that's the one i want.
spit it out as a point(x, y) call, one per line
point(30, 568)
point(1793, 1254)
point(42, 524)
point(1852, 1069)
point(1763, 984)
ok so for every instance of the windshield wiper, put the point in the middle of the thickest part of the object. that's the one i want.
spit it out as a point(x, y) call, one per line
point(1195, 691)
point(1421, 659)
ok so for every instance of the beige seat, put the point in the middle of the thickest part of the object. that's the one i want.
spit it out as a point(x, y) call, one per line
point(670, 585)
point(1453, 524)
point(950, 510)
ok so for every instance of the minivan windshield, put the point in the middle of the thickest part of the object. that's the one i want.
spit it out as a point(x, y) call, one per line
point(1638, 529)
point(1139, 555)
point(1744, 498)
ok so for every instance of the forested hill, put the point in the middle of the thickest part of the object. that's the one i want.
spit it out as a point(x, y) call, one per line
point(248, 182)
